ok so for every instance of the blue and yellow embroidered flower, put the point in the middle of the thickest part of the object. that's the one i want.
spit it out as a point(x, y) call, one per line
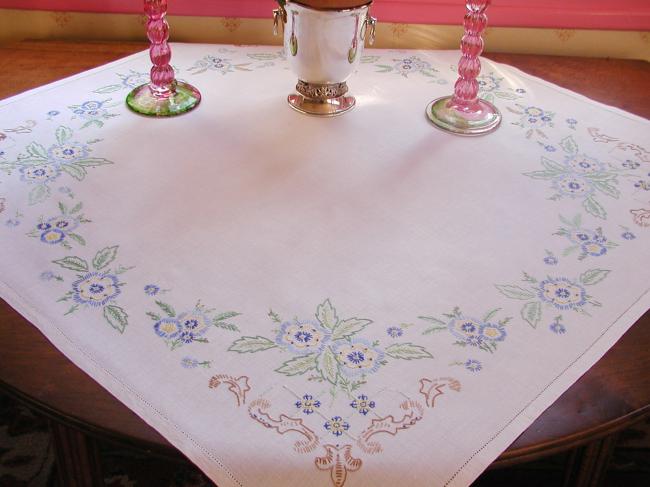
point(308, 404)
point(562, 293)
point(168, 328)
point(394, 331)
point(583, 164)
point(337, 426)
point(302, 337)
point(573, 185)
point(151, 289)
point(362, 404)
point(464, 328)
point(473, 365)
point(594, 249)
point(95, 289)
point(67, 152)
point(358, 357)
point(488, 83)
point(492, 332)
point(52, 236)
point(194, 322)
point(39, 173)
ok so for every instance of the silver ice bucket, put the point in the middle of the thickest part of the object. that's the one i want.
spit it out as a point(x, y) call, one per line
point(323, 47)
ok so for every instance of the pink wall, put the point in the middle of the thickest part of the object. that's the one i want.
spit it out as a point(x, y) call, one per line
point(586, 14)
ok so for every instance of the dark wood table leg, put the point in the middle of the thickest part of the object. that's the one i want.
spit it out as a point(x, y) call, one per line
point(587, 466)
point(78, 462)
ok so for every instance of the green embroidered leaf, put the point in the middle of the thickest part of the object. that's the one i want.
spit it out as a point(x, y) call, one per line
point(298, 365)
point(167, 308)
point(77, 172)
point(433, 320)
point(489, 315)
point(593, 276)
point(553, 166)
point(326, 315)
point(433, 329)
point(62, 208)
point(226, 315)
point(92, 161)
point(569, 145)
point(116, 317)
point(63, 134)
point(543, 174)
point(108, 89)
point(577, 220)
point(506, 96)
point(37, 150)
point(77, 238)
point(73, 263)
point(225, 326)
point(76, 208)
point(348, 328)
point(38, 194)
point(153, 316)
point(606, 188)
point(251, 344)
point(274, 316)
point(263, 56)
point(594, 208)
point(327, 366)
point(532, 313)
point(601, 176)
point(515, 292)
point(407, 351)
point(104, 257)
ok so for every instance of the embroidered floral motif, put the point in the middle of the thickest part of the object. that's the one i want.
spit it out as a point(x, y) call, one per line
point(579, 177)
point(554, 292)
point(219, 64)
point(130, 80)
point(97, 286)
point(328, 349)
point(49, 276)
point(571, 123)
point(627, 234)
point(550, 258)
point(308, 404)
point(93, 112)
point(337, 425)
point(533, 119)
point(394, 331)
point(473, 365)
point(590, 243)
point(59, 230)
point(151, 289)
point(192, 363)
point(40, 166)
point(189, 326)
point(489, 88)
point(362, 404)
point(483, 334)
point(557, 327)
point(408, 66)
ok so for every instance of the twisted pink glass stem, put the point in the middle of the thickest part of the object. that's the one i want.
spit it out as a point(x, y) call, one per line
point(466, 88)
point(162, 74)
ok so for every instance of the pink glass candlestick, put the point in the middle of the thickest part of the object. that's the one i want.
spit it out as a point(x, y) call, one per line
point(464, 113)
point(163, 96)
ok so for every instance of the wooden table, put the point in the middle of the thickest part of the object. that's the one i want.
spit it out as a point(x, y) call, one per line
point(608, 398)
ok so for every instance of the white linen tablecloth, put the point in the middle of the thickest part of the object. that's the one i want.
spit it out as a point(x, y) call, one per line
point(359, 301)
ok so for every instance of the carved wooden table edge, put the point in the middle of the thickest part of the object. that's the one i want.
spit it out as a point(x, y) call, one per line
point(620, 83)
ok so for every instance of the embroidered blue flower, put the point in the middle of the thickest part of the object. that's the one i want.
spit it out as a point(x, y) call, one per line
point(362, 404)
point(53, 113)
point(302, 337)
point(627, 235)
point(594, 248)
point(358, 357)
point(39, 173)
point(95, 289)
point(63, 223)
point(463, 328)
point(549, 148)
point(194, 323)
point(308, 404)
point(67, 153)
point(411, 65)
point(488, 83)
point(641, 184)
point(557, 328)
point(151, 289)
point(47, 276)
point(521, 91)
point(583, 164)
point(52, 236)
point(537, 117)
point(628, 164)
point(473, 365)
point(337, 426)
point(189, 363)
point(562, 293)
point(394, 331)
point(573, 185)
point(167, 328)
point(571, 121)
point(495, 333)
point(550, 260)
